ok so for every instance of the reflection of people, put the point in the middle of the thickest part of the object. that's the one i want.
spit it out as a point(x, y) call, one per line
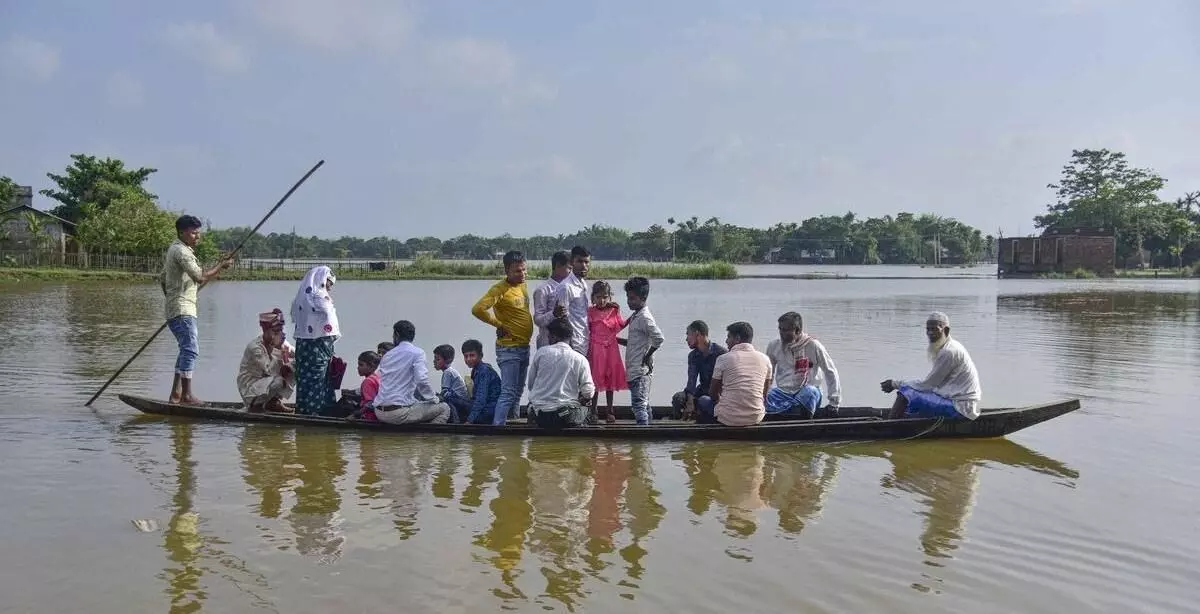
point(316, 331)
point(951, 390)
point(739, 476)
point(265, 376)
point(701, 361)
point(405, 395)
point(740, 380)
point(798, 359)
point(560, 382)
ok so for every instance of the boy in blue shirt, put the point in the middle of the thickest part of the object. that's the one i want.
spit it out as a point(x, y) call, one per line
point(485, 382)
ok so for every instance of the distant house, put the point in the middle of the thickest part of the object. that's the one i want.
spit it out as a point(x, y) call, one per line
point(1058, 251)
point(16, 235)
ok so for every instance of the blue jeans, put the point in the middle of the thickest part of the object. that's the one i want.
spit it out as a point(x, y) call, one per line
point(780, 401)
point(639, 399)
point(514, 367)
point(184, 329)
point(926, 404)
point(706, 410)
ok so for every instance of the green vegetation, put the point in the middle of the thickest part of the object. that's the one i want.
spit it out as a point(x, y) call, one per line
point(8, 191)
point(1099, 189)
point(833, 239)
point(13, 275)
point(428, 268)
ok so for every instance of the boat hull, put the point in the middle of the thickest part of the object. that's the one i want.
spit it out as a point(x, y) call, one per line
point(990, 423)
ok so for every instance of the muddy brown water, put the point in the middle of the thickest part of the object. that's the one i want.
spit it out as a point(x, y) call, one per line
point(1094, 511)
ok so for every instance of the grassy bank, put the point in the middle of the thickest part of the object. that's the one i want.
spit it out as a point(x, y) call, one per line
point(427, 269)
point(15, 275)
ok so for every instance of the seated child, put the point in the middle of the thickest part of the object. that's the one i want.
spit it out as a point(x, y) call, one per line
point(454, 389)
point(368, 362)
point(485, 390)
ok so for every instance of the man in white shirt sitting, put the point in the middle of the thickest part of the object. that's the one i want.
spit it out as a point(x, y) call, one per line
point(951, 390)
point(800, 361)
point(405, 395)
point(560, 382)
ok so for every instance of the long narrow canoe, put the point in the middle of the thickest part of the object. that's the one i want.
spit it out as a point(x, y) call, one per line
point(854, 424)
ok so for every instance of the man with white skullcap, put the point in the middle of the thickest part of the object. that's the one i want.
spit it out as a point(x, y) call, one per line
point(951, 390)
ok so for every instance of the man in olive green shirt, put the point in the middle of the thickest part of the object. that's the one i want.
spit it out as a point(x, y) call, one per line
point(181, 279)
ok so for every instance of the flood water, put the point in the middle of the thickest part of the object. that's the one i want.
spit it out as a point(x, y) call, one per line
point(1095, 511)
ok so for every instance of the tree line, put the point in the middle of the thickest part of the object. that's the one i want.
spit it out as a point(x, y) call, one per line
point(114, 212)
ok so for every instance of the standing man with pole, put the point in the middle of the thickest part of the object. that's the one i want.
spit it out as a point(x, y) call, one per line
point(181, 279)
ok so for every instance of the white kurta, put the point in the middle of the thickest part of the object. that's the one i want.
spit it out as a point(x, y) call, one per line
point(954, 377)
point(259, 379)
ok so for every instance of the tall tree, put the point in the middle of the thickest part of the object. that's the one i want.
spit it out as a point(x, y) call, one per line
point(131, 224)
point(1098, 188)
point(93, 180)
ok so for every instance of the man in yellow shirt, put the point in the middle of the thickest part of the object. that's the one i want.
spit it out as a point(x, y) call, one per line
point(506, 307)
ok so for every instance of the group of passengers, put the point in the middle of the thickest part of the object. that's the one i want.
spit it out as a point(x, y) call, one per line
point(575, 357)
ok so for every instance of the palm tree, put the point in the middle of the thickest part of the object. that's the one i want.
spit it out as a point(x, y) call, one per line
point(36, 229)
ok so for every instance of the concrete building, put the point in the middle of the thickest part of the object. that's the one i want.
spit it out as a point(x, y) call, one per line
point(1058, 251)
point(51, 233)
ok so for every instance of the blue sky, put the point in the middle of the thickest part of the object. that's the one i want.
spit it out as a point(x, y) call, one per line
point(543, 116)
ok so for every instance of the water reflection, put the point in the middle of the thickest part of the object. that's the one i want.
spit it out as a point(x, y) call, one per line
point(943, 478)
point(565, 514)
point(797, 482)
point(643, 511)
point(182, 537)
point(1099, 334)
point(512, 513)
point(188, 548)
point(745, 479)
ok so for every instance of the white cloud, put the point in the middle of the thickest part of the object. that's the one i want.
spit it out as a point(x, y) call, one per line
point(484, 65)
point(30, 58)
point(202, 42)
point(125, 91)
point(378, 25)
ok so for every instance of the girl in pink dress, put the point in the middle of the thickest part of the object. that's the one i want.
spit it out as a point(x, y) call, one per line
point(604, 355)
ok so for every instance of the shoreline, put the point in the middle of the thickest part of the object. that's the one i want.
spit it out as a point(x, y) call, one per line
point(451, 271)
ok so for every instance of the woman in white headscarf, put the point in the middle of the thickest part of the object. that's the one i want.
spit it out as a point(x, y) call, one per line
point(316, 330)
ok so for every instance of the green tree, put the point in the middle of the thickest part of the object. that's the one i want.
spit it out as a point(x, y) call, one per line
point(1098, 188)
point(131, 224)
point(94, 181)
point(8, 192)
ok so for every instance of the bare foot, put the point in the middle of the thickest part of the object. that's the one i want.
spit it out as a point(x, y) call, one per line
point(610, 418)
point(190, 400)
point(174, 399)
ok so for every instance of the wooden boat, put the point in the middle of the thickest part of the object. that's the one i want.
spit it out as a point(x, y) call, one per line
point(862, 423)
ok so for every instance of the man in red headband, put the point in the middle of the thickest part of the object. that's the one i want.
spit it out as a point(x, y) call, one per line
point(265, 378)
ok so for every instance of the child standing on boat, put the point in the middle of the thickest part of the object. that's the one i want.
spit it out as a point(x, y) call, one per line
point(604, 355)
point(368, 362)
point(644, 339)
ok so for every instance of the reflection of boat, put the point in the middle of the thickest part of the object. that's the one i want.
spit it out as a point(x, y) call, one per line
point(944, 477)
point(865, 426)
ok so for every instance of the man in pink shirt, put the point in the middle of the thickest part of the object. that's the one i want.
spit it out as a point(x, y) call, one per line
point(740, 380)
